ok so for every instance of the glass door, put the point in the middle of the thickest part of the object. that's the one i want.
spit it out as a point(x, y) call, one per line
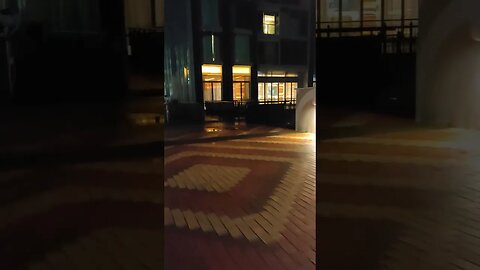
point(212, 82)
point(207, 91)
point(241, 91)
point(217, 91)
point(212, 91)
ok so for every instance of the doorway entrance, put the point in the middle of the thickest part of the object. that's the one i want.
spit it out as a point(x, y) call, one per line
point(212, 91)
point(241, 83)
point(241, 91)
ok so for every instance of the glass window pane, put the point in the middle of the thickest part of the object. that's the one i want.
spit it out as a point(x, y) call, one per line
point(236, 91)
point(411, 9)
point(275, 91)
point(294, 90)
point(281, 91)
point(329, 13)
point(210, 18)
point(393, 12)
point(271, 29)
point(261, 92)
point(269, 91)
point(288, 93)
point(265, 29)
point(207, 92)
point(242, 49)
point(217, 91)
point(269, 22)
point(351, 13)
point(372, 13)
point(246, 91)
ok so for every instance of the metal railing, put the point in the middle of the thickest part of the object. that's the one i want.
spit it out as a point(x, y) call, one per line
point(409, 27)
point(396, 36)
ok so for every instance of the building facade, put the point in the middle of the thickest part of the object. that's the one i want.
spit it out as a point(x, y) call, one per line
point(367, 17)
point(238, 51)
point(367, 51)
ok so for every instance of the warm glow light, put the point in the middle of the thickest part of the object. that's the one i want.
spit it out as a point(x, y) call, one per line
point(245, 70)
point(185, 72)
point(292, 75)
point(211, 69)
point(269, 19)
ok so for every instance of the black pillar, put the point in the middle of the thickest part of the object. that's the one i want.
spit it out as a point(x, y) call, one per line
point(361, 16)
point(382, 11)
point(113, 19)
point(403, 16)
point(227, 49)
point(311, 43)
point(254, 56)
point(4, 71)
point(340, 7)
point(153, 13)
point(197, 49)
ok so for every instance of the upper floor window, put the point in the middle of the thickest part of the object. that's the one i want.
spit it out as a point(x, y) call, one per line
point(270, 22)
point(210, 14)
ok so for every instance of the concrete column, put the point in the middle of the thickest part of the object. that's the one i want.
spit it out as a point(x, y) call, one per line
point(448, 63)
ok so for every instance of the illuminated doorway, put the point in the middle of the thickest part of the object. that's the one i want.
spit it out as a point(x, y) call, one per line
point(241, 83)
point(212, 82)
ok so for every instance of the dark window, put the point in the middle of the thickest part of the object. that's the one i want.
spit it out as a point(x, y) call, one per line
point(211, 49)
point(243, 15)
point(210, 16)
point(242, 49)
point(294, 52)
point(268, 53)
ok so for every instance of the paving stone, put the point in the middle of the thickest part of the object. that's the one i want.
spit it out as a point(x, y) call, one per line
point(191, 220)
point(204, 222)
point(231, 227)
point(246, 230)
point(217, 224)
point(178, 218)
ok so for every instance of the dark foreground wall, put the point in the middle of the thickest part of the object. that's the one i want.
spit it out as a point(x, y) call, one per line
point(353, 72)
point(74, 51)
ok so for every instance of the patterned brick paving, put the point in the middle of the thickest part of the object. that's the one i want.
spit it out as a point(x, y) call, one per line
point(241, 204)
point(83, 216)
point(404, 199)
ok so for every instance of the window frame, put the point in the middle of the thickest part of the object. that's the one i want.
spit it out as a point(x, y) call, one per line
point(275, 24)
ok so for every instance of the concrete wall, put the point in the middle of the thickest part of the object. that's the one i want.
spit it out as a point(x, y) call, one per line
point(306, 110)
point(448, 63)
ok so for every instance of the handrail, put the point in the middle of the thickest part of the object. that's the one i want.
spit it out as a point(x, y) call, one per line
point(383, 26)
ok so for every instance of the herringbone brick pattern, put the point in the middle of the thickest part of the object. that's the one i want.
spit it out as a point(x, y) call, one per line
point(83, 216)
point(241, 204)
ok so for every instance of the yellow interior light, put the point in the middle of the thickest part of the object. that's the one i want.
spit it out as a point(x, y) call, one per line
point(269, 19)
point(245, 70)
point(211, 69)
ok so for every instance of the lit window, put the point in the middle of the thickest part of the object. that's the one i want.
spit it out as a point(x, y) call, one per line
point(212, 82)
point(269, 24)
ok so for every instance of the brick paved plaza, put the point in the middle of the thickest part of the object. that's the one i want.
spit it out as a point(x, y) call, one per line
point(393, 195)
point(245, 203)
